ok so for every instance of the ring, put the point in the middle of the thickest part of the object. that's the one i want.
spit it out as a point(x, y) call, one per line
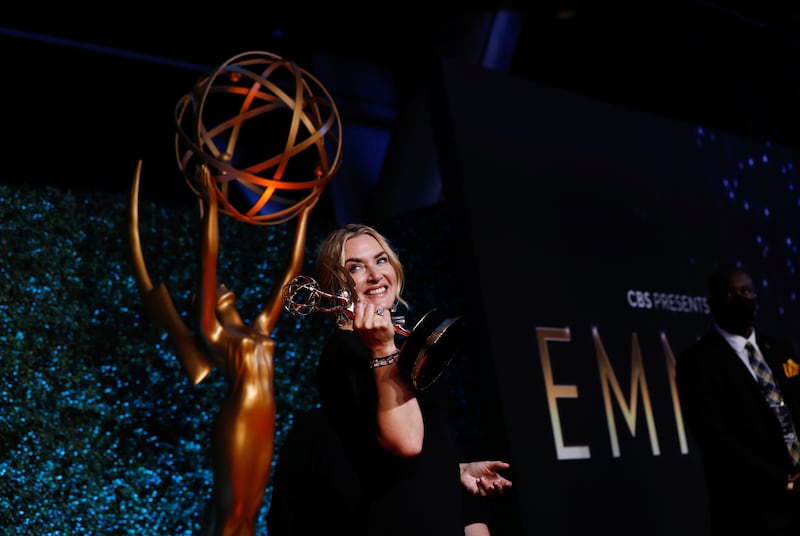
point(379, 311)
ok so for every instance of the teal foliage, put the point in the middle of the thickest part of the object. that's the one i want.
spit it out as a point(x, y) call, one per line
point(100, 430)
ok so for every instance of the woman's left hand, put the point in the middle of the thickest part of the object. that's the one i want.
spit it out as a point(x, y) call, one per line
point(481, 478)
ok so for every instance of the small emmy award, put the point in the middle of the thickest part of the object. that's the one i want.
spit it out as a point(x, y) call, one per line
point(428, 347)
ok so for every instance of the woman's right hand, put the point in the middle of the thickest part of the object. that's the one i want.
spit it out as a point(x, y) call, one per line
point(376, 330)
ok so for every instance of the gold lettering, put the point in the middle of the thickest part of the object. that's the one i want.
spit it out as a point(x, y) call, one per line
point(673, 389)
point(554, 392)
point(629, 411)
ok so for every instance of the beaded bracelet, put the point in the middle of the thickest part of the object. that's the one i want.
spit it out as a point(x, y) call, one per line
point(383, 361)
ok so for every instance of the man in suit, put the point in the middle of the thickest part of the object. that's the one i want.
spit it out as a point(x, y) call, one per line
point(752, 478)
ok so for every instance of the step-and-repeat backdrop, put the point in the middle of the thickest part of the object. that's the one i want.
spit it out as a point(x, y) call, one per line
point(588, 231)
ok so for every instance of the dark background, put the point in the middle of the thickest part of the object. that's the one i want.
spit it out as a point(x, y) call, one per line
point(89, 91)
point(620, 209)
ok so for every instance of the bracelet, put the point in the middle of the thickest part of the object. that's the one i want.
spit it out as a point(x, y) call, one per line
point(383, 361)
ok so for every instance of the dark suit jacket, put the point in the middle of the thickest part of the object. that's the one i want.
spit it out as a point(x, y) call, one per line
point(744, 455)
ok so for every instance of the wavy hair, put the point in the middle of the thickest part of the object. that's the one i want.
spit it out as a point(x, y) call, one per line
point(331, 275)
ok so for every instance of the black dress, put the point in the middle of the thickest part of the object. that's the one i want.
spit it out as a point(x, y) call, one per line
point(415, 496)
point(314, 487)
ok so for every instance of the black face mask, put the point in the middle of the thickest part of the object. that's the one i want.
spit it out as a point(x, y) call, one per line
point(736, 315)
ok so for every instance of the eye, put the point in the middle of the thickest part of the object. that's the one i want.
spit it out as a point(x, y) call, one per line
point(354, 268)
point(745, 291)
point(383, 259)
point(748, 292)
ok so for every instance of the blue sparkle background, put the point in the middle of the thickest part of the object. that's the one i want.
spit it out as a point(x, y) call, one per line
point(100, 431)
point(754, 185)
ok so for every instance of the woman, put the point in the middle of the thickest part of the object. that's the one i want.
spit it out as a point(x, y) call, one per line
point(397, 438)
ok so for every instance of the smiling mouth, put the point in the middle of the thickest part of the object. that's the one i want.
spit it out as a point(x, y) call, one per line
point(376, 291)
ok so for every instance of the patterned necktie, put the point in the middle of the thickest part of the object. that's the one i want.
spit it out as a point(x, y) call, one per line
point(773, 395)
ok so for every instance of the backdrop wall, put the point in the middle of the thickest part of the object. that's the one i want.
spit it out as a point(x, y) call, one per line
point(587, 232)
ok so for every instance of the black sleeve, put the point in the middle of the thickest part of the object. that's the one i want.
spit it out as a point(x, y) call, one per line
point(476, 508)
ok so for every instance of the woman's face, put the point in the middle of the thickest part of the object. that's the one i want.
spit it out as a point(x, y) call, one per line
point(373, 274)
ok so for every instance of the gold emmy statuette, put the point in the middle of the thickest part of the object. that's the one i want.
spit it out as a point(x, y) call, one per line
point(257, 140)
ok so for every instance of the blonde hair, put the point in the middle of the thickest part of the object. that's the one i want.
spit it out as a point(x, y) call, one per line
point(331, 275)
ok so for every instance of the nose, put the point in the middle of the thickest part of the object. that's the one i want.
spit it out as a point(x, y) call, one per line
point(374, 274)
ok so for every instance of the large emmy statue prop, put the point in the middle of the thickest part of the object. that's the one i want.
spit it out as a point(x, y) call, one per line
point(428, 347)
point(257, 140)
